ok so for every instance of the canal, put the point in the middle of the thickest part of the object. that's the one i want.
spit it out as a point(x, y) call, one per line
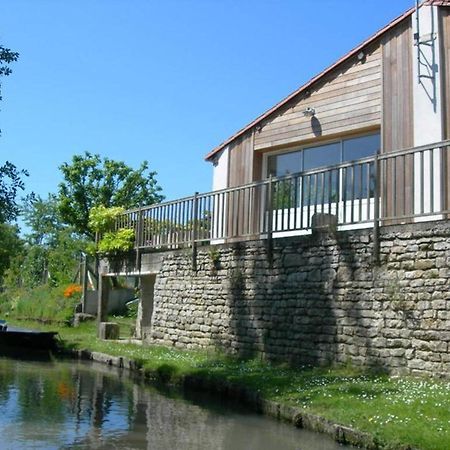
point(80, 405)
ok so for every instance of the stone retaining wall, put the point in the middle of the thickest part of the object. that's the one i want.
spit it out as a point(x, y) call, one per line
point(315, 299)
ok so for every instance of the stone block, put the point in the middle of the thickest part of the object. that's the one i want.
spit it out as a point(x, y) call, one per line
point(424, 264)
point(109, 330)
point(82, 317)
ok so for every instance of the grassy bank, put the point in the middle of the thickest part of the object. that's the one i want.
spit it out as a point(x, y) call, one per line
point(397, 411)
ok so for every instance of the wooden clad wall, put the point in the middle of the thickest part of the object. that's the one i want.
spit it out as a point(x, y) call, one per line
point(241, 161)
point(347, 100)
point(397, 88)
point(397, 189)
point(244, 167)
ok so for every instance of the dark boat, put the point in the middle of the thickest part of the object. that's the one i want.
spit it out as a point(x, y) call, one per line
point(26, 339)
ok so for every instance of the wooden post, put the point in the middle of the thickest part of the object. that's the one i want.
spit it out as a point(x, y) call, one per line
point(138, 239)
point(194, 231)
point(80, 275)
point(85, 284)
point(96, 260)
point(376, 211)
point(270, 220)
point(102, 305)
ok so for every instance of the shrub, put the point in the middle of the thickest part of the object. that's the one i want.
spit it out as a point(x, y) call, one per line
point(117, 241)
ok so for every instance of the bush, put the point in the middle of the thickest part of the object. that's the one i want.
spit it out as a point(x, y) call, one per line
point(117, 241)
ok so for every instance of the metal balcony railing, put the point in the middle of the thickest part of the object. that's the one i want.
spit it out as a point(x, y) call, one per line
point(402, 186)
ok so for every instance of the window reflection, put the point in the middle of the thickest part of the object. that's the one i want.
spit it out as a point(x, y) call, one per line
point(340, 184)
point(360, 147)
point(321, 156)
point(325, 155)
point(285, 164)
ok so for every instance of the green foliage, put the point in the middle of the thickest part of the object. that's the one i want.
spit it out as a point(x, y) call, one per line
point(11, 181)
point(51, 249)
point(42, 219)
point(41, 303)
point(91, 181)
point(116, 241)
point(102, 219)
point(11, 178)
point(11, 245)
point(6, 57)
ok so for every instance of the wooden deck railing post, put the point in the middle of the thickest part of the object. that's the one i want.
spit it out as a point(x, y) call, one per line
point(376, 210)
point(270, 220)
point(194, 230)
point(138, 239)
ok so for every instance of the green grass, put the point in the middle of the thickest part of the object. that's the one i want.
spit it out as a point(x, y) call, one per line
point(397, 411)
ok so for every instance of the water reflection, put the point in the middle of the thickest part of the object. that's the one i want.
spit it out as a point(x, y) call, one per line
point(69, 405)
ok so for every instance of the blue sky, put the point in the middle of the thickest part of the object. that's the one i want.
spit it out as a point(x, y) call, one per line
point(164, 81)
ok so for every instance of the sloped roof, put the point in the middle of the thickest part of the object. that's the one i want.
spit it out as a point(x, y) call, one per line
point(437, 3)
point(329, 69)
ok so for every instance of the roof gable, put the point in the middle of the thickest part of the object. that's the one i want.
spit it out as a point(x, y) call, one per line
point(321, 75)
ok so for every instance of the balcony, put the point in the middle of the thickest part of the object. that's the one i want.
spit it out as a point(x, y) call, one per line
point(399, 187)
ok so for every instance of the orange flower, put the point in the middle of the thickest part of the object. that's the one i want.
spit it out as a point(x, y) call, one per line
point(71, 290)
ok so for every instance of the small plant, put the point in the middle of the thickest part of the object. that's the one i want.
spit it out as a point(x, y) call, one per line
point(214, 257)
point(237, 279)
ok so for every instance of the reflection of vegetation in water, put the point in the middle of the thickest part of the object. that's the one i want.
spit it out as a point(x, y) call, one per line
point(55, 400)
point(38, 397)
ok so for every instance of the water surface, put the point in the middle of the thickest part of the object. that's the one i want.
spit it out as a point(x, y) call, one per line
point(79, 405)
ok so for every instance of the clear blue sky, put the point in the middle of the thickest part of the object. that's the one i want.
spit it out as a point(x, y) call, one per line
point(160, 80)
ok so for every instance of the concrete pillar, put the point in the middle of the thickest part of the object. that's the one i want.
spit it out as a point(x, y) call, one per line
point(427, 108)
point(102, 304)
point(147, 301)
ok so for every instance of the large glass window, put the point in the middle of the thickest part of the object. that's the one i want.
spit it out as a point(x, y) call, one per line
point(284, 164)
point(321, 156)
point(349, 183)
point(360, 147)
point(324, 155)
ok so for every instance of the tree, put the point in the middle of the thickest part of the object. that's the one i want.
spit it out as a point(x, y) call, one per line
point(6, 57)
point(10, 183)
point(52, 248)
point(10, 246)
point(10, 176)
point(92, 181)
point(42, 219)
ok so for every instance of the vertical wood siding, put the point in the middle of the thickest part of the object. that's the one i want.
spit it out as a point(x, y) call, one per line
point(397, 127)
point(244, 167)
point(241, 161)
point(397, 88)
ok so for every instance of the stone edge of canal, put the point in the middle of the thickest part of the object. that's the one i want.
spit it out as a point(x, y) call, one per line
point(286, 413)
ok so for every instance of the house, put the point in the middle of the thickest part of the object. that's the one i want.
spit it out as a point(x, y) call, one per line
point(362, 144)
point(388, 94)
